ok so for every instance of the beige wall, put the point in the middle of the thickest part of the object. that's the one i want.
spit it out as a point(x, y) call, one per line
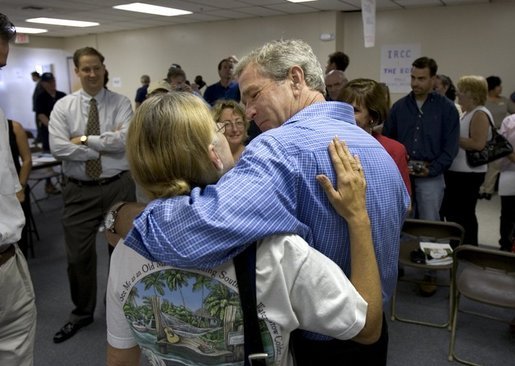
point(198, 47)
point(473, 39)
point(464, 40)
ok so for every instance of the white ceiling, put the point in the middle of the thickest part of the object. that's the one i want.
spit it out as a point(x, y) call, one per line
point(112, 20)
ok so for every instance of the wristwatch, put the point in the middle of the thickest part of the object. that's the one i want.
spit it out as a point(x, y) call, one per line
point(112, 214)
point(84, 140)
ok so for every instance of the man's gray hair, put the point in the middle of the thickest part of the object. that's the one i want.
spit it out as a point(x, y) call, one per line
point(276, 58)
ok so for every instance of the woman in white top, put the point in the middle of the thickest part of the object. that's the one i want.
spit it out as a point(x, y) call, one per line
point(463, 181)
point(194, 316)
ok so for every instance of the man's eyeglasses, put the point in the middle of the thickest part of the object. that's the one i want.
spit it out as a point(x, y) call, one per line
point(224, 125)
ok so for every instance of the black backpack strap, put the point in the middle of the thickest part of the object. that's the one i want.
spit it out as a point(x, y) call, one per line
point(245, 265)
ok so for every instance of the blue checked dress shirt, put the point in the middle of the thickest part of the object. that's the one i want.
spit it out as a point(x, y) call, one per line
point(273, 190)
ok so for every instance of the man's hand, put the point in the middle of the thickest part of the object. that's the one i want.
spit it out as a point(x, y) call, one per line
point(75, 140)
point(418, 168)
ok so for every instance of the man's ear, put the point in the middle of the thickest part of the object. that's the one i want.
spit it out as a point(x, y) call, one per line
point(215, 158)
point(296, 75)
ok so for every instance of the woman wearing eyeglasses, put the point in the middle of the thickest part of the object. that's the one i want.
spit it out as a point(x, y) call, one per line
point(230, 118)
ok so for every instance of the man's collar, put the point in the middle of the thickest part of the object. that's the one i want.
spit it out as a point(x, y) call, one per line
point(98, 96)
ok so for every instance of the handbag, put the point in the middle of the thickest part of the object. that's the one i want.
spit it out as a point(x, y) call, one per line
point(497, 147)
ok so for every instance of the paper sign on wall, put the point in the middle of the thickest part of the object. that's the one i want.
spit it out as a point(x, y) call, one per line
point(368, 14)
point(396, 63)
point(116, 82)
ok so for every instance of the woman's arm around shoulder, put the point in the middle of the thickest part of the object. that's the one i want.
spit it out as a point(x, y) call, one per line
point(349, 200)
point(123, 357)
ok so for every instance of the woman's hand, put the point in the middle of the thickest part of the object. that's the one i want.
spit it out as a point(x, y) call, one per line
point(112, 238)
point(21, 195)
point(349, 197)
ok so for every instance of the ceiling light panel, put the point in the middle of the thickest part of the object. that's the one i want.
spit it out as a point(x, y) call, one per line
point(30, 30)
point(152, 9)
point(64, 22)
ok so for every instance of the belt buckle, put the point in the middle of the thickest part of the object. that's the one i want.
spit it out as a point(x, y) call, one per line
point(258, 359)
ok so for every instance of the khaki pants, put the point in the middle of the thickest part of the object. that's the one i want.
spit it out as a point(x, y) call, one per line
point(17, 313)
point(492, 173)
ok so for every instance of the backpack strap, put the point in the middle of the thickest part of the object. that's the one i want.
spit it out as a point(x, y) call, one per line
point(245, 265)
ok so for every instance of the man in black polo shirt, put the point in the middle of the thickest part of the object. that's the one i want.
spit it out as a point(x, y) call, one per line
point(44, 104)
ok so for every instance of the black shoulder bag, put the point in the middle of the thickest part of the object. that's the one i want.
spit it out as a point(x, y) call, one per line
point(245, 265)
point(497, 147)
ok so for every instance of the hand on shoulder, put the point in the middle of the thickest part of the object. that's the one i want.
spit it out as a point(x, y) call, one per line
point(349, 197)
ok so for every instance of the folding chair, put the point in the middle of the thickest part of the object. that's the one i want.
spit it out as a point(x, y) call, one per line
point(414, 231)
point(38, 176)
point(483, 275)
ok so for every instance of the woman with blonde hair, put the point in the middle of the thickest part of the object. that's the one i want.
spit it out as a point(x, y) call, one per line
point(174, 315)
point(230, 118)
point(462, 181)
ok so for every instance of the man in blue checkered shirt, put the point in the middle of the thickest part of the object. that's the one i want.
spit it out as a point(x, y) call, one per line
point(273, 189)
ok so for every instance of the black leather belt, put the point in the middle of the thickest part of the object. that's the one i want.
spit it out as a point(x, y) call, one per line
point(7, 254)
point(98, 182)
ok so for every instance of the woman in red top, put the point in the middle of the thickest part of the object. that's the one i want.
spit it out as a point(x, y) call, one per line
point(370, 102)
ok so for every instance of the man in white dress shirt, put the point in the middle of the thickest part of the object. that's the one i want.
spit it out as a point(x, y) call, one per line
point(87, 132)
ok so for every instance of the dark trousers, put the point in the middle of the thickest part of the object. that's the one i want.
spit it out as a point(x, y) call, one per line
point(335, 352)
point(460, 199)
point(44, 137)
point(507, 227)
point(84, 210)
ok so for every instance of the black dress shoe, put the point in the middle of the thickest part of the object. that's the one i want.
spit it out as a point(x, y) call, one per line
point(70, 329)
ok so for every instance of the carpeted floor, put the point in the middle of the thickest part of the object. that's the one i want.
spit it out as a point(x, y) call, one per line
point(483, 341)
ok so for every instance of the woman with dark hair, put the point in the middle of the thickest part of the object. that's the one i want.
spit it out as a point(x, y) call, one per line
point(371, 104)
point(20, 150)
point(444, 86)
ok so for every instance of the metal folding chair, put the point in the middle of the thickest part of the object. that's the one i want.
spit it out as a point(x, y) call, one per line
point(414, 231)
point(483, 275)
